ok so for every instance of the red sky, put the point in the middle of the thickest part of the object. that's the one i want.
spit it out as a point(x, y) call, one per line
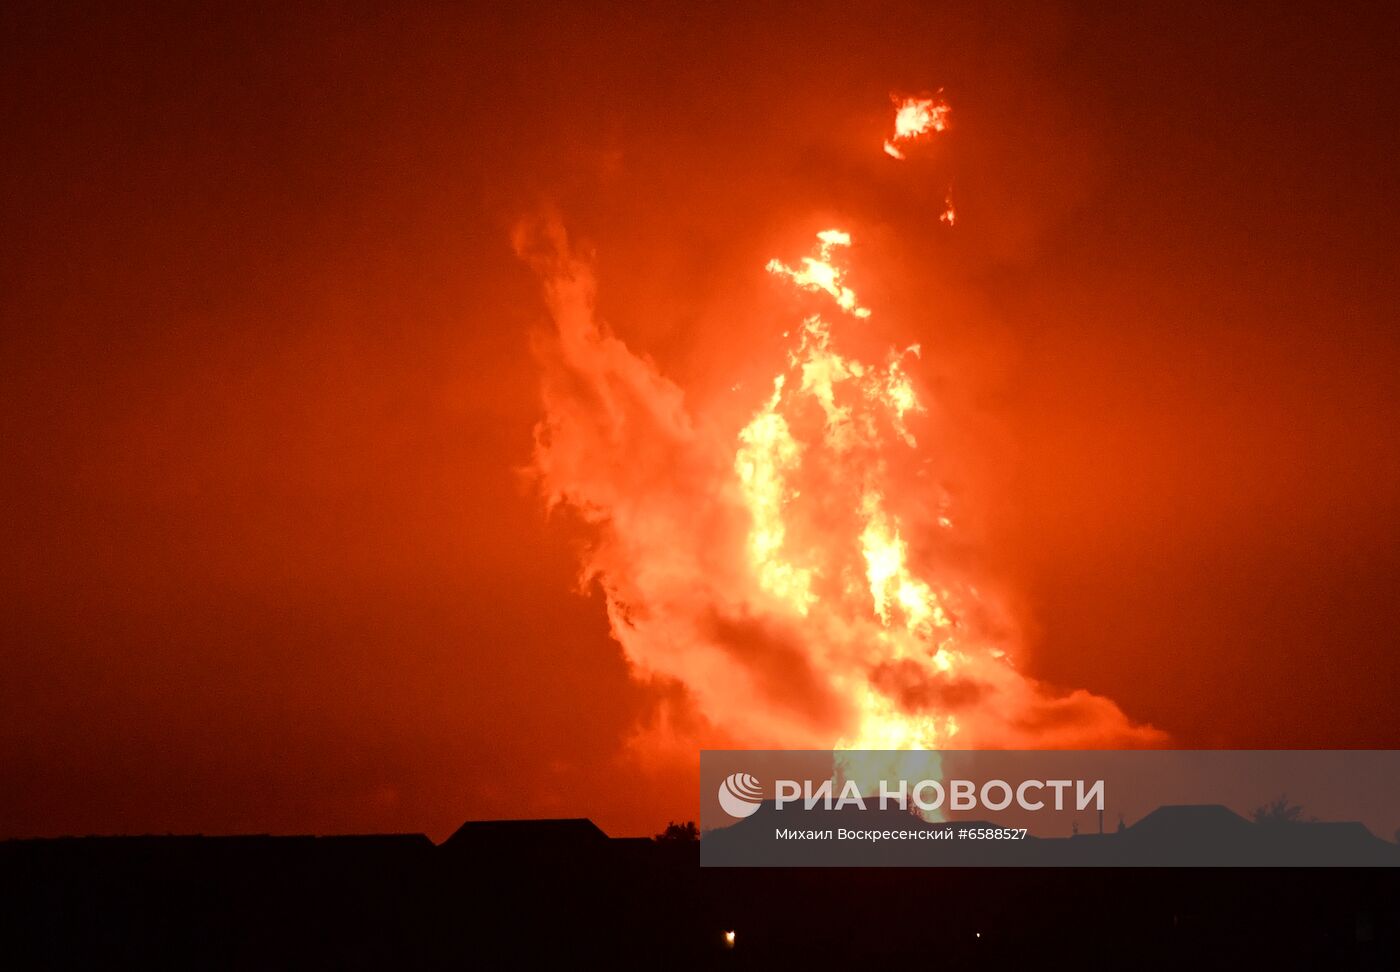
point(268, 384)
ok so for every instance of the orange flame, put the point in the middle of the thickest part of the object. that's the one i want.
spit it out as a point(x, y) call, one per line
point(914, 119)
point(781, 575)
point(821, 273)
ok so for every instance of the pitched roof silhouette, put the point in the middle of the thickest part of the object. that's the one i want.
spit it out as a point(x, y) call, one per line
point(500, 834)
point(1187, 819)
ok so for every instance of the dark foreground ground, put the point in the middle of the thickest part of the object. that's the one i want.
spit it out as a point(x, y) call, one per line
point(569, 897)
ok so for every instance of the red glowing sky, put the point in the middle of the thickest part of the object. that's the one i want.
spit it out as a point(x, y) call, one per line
point(268, 380)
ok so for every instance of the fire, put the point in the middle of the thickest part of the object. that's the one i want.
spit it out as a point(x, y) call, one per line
point(949, 214)
point(914, 119)
point(822, 273)
point(787, 577)
point(897, 628)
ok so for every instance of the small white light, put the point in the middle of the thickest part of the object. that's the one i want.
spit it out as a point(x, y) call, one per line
point(729, 939)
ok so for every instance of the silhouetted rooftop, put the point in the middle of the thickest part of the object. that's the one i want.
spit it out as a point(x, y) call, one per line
point(1185, 819)
point(559, 834)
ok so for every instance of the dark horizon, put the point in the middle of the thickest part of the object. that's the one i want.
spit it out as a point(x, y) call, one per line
point(561, 891)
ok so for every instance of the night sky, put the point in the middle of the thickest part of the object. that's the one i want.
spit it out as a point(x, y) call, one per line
point(273, 557)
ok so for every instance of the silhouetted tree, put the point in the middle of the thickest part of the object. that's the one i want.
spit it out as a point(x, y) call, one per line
point(1280, 811)
point(676, 833)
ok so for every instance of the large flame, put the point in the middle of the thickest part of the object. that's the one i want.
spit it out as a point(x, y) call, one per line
point(787, 576)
